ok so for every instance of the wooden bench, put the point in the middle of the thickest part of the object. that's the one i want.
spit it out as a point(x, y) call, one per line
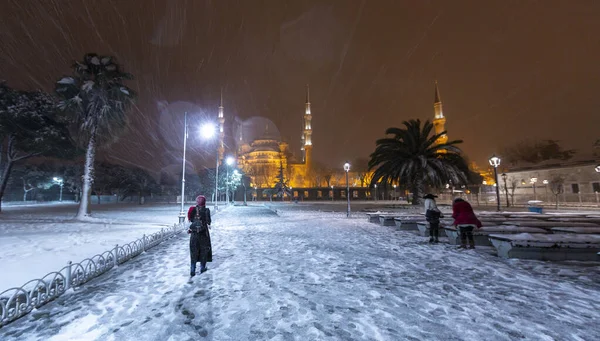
point(576, 230)
point(553, 247)
point(408, 223)
point(481, 236)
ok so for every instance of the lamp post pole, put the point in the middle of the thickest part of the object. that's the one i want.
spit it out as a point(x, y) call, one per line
point(185, 133)
point(495, 162)
point(533, 182)
point(375, 192)
point(347, 169)
point(332, 193)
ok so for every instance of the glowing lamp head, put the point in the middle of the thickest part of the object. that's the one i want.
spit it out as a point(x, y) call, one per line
point(207, 130)
point(229, 161)
point(494, 161)
point(597, 168)
point(346, 166)
point(545, 182)
point(533, 180)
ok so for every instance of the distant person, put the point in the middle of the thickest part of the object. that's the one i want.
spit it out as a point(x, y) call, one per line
point(200, 246)
point(433, 215)
point(465, 221)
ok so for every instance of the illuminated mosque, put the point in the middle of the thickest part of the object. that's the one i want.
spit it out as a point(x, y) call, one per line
point(262, 155)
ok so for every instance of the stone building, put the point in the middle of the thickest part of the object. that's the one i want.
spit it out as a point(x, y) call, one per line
point(580, 178)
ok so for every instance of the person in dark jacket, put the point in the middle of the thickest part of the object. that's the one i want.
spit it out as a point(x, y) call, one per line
point(465, 221)
point(200, 246)
point(432, 215)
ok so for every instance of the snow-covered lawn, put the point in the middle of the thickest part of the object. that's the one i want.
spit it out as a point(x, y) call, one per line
point(307, 275)
point(38, 239)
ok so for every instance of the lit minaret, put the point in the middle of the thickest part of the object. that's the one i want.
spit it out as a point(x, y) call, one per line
point(439, 121)
point(221, 130)
point(307, 136)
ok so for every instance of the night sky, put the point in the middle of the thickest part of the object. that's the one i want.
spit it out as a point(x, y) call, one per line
point(507, 70)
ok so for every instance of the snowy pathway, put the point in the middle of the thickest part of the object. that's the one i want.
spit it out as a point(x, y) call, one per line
point(320, 276)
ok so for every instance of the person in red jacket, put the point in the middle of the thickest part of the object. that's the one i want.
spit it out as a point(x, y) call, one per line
point(465, 221)
point(200, 246)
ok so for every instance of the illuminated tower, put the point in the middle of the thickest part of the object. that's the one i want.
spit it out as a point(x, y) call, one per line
point(307, 136)
point(221, 130)
point(439, 121)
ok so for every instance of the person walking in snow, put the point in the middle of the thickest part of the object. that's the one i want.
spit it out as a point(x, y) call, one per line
point(433, 215)
point(465, 221)
point(200, 246)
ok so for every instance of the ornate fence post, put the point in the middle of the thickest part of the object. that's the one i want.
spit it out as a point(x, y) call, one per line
point(144, 243)
point(68, 277)
point(115, 261)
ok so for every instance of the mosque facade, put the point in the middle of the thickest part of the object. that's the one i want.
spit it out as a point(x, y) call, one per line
point(266, 157)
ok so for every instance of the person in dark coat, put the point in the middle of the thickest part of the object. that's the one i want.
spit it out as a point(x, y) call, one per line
point(465, 221)
point(200, 246)
point(432, 215)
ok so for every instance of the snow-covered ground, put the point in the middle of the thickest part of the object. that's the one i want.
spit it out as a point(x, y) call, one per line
point(38, 239)
point(307, 275)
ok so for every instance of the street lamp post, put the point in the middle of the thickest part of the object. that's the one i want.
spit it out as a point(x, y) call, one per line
point(331, 192)
point(207, 131)
point(228, 162)
point(185, 135)
point(504, 176)
point(61, 183)
point(545, 182)
point(533, 182)
point(347, 169)
point(495, 162)
point(375, 191)
point(395, 194)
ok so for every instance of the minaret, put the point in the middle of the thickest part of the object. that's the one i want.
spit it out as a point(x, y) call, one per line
point(221, 130)
point(439, 121)
point(307, 137)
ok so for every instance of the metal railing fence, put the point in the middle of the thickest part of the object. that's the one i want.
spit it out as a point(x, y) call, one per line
point(18, 302)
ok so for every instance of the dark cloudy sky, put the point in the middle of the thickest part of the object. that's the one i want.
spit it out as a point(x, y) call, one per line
point(507, 70)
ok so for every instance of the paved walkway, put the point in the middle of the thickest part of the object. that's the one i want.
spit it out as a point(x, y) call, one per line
point(320, 276)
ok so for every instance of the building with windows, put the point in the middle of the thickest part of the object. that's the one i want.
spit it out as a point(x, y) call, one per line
point(580, 179)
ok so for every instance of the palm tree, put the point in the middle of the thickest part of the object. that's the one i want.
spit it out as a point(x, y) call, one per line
point(97, 98)
point(412, 157)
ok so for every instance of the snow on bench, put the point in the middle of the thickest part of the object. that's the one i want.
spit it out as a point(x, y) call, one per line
point(554, 247)
point(578, 230)
point(423, 227)
point(481, 235)
point(550, 224)
point(408, 223)
point(577, 220)
point(374, 216)
point(387, 220)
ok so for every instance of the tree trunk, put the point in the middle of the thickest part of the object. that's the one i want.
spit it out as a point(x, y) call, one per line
point(88, 178)
point(417, 190)
point(5, 175)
